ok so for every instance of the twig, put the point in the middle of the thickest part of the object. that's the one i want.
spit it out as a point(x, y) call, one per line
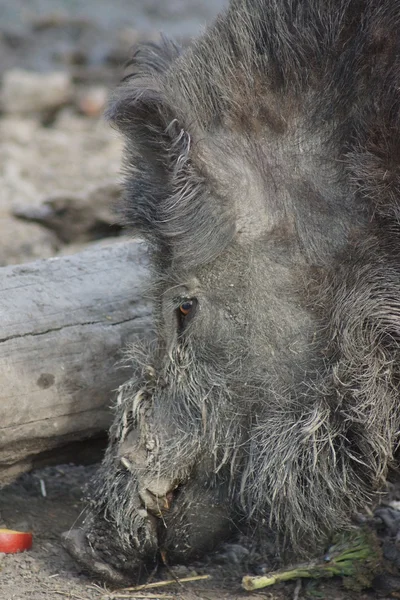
point(156, 584)
point(146, 597)
point(43, 488)
point(297, 590)
point(168, 568)
point(98, 588)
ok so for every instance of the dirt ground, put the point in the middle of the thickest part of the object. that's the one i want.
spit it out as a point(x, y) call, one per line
point(54, 150)
point(47, 572)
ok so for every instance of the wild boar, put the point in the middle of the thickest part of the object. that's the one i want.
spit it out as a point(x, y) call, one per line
point(262, 166)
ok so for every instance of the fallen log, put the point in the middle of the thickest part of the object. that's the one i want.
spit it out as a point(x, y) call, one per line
point(63, 323)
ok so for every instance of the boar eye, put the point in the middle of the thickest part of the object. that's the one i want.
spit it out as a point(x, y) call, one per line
point(186, 307)
point(185, 312)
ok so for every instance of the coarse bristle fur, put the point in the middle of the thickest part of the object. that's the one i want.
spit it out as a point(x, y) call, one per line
point(262, 166)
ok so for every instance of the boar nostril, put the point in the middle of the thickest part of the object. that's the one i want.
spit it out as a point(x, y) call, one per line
point(164, 501)
point(169, 498)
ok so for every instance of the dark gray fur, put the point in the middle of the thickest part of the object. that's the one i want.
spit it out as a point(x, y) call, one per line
point(262, 164)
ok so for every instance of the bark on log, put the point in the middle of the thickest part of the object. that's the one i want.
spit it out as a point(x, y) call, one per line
point(63, 323)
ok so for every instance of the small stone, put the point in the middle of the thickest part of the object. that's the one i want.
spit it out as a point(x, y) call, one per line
point(24, 92)
point(92, 101)
point(182, 571)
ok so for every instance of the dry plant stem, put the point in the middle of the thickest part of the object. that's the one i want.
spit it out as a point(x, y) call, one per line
point(297, 590)
point(146, 597)
point(156, 584)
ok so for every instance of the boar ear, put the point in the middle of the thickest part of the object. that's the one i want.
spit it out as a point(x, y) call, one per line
point(137, 106)
point(166, 196)
point(152, 58)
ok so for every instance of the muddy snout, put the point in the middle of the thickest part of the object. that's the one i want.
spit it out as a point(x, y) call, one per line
point(157, 497)
point(155, 492)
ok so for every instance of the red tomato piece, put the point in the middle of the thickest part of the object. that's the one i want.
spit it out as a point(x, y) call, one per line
point(14, 541)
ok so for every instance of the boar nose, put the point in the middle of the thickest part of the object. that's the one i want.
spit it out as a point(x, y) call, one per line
point(155, 492)
point(157, 495)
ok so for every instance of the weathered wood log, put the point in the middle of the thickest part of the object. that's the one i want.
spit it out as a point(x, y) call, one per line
point(63, 323)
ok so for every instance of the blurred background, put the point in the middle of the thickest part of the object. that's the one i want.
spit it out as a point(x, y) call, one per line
point(59, 161)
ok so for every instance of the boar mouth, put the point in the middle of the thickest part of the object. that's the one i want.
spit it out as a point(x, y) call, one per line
point(155, 502)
